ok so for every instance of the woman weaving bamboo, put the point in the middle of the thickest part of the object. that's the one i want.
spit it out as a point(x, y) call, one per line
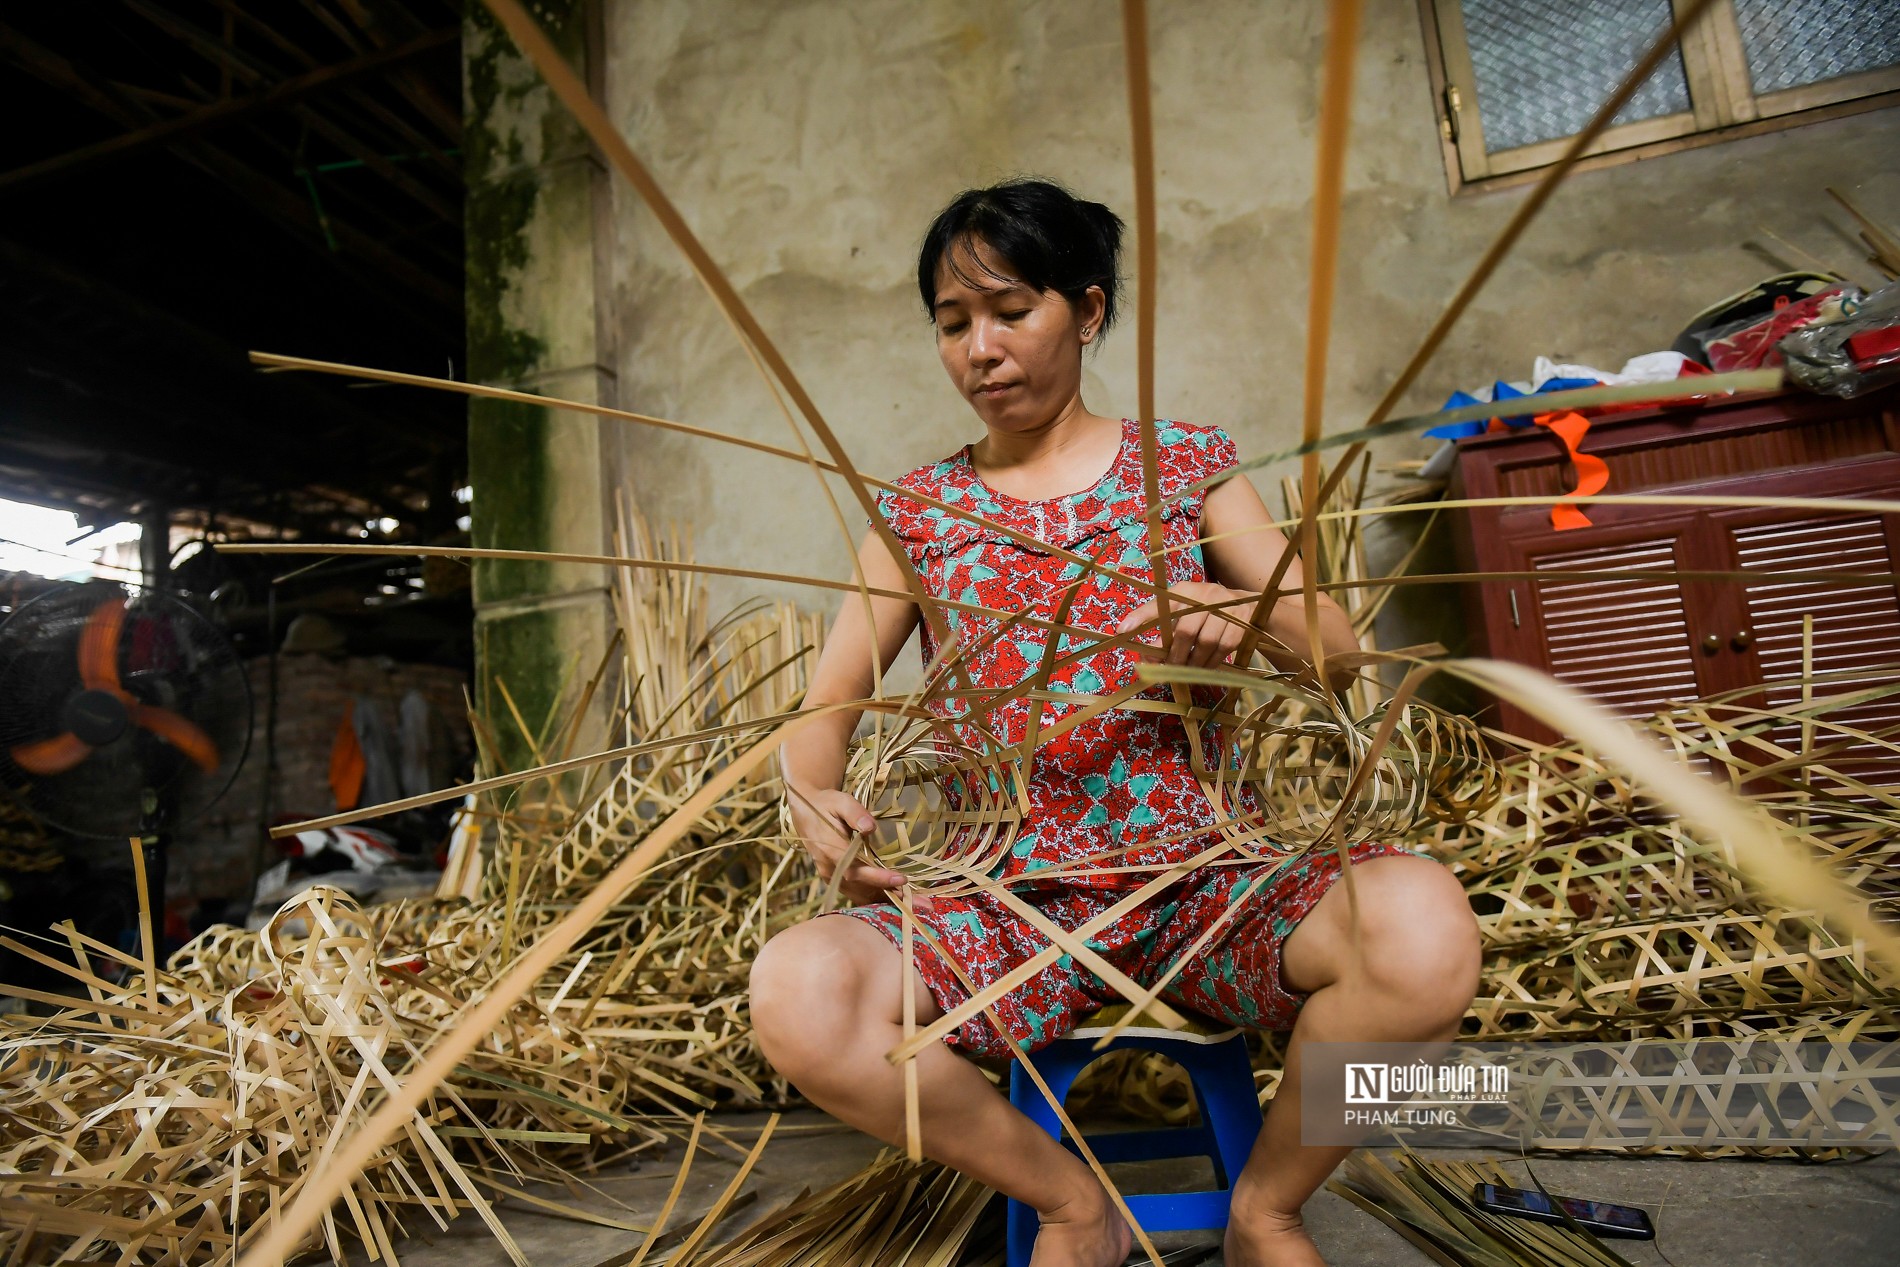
point(1018, 280)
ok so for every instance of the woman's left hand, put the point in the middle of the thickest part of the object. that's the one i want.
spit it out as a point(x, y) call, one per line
point(1199, 638)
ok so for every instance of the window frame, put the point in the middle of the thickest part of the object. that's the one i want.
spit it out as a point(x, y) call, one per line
point(1724, 104)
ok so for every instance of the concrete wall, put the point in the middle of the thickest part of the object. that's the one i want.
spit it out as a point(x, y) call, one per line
point(537, 233)
point(810, 143)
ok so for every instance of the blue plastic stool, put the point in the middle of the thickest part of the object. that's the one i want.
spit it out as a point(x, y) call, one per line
point(1216, 1062)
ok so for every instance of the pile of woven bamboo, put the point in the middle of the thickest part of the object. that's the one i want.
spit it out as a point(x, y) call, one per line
point(179, 1108)
point(174, 1109)
point(174, 1114)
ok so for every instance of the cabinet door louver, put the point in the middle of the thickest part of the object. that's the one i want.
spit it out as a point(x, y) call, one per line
point(1626, 643)
point(1856, 627)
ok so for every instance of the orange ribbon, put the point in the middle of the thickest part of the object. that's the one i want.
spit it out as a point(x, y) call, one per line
point(1592, 475)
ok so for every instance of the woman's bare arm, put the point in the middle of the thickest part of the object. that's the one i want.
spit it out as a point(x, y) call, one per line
point(1242, 550)
point(1242, 555)
point(860, 646)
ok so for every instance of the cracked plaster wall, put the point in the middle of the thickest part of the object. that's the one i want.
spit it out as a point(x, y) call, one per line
point(809, 143)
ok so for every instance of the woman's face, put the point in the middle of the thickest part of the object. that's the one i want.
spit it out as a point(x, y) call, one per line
point(1015, 353)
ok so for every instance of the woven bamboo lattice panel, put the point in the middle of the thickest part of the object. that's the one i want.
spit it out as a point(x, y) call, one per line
point(1805, 1091)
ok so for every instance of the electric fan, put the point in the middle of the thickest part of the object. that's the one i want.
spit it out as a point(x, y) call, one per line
point(124, 712)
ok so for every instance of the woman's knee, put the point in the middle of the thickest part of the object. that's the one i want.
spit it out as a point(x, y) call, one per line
point(1426, 948)
point(1417, 939)
point(807, 989)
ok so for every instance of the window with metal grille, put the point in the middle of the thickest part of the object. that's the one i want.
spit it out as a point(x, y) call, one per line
point(1516, 79)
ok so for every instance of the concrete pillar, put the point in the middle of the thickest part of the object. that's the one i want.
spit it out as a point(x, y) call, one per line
point(540, 319)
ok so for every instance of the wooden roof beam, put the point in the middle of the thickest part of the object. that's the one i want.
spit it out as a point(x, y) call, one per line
point(287, 93)
point(403, 79)
point(248, 68)
point(419, 92)
point(267, 197)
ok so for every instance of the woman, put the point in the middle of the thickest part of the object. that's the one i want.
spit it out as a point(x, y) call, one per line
point(1018, 280)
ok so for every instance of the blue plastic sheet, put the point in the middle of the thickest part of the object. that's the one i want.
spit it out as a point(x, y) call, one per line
point(1499, 391)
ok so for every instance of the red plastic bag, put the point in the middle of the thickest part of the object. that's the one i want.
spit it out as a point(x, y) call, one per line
point(1753, 347)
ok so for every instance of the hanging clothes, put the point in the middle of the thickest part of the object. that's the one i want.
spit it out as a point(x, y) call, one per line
point(381, 781)
point(346, 761)
point(414, 723)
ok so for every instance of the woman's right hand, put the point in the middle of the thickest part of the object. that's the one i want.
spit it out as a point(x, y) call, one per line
point(816, 817)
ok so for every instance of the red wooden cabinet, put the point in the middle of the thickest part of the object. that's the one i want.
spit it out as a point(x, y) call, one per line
point(1637, 644)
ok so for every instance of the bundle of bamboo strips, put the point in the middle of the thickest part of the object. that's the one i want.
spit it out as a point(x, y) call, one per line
point(892, 1212)
point(1429, 1204)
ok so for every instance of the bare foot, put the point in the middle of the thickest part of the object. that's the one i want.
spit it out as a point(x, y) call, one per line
point(1085, 1232)
point(1267, 1238)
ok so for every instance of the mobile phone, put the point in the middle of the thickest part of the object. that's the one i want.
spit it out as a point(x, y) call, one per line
point(1600, 1217)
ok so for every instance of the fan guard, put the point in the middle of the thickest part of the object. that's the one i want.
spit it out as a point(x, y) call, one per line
point(122, 709)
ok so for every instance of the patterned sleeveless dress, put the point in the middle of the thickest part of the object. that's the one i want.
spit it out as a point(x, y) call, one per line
point(1100, 789)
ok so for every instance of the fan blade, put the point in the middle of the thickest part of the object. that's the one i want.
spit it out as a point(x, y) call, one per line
point(99, 647)
point(180, 734)
point(51, 756)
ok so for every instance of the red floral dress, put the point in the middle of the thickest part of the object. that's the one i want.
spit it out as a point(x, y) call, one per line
point(1122, 777)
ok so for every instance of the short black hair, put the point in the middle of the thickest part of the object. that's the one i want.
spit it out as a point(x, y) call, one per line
point(1054, 240)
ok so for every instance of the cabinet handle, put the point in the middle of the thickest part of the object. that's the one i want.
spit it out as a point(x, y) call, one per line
point(1742, 641)
point(1711, 644)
